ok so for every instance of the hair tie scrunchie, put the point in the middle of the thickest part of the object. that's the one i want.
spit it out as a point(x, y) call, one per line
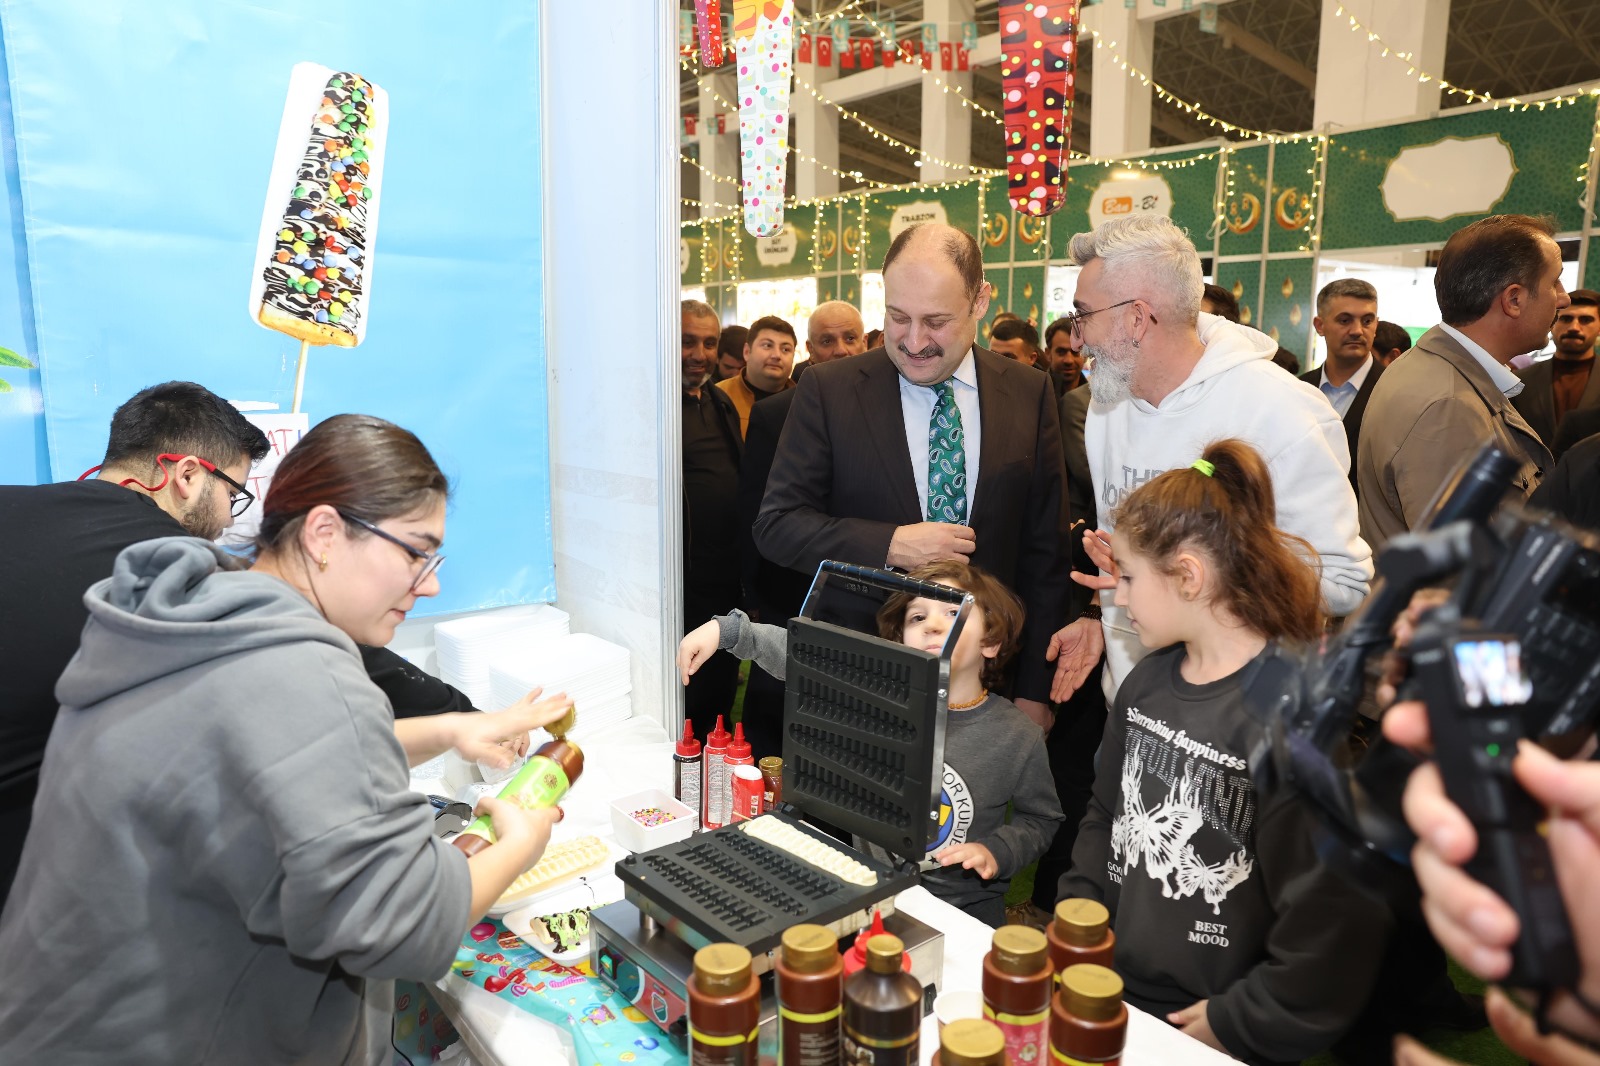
point(1205, 466)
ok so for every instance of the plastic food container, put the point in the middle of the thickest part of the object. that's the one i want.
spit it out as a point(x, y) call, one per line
point(641, 820)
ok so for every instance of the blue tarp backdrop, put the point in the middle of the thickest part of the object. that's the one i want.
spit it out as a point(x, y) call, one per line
point(143, 139)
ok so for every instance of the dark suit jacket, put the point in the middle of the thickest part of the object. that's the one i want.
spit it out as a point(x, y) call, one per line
point(1578, 425)
point(1358, 408)
point(777, 592)
point(1074, 409)
point(842, 482)
point(1537, 401)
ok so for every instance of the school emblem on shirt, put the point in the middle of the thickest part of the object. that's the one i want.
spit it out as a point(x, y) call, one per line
point(955, 812)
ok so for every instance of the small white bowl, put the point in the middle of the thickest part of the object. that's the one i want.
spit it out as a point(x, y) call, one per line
point(636, 836)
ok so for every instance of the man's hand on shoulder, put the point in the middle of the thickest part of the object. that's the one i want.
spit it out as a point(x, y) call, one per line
point(930, 542)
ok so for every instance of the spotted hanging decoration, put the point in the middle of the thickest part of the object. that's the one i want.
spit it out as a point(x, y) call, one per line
point(1038, 52)
point(708, 17)
point(763, 41)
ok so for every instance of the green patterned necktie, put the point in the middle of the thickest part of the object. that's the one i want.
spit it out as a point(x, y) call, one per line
point(947, 459)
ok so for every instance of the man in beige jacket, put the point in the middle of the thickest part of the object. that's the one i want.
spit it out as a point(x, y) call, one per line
point(1499, 288)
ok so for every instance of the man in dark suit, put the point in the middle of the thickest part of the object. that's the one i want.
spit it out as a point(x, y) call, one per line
point(1555, 388)
point(1347, 321)
point(929, 449)
point(773, 594)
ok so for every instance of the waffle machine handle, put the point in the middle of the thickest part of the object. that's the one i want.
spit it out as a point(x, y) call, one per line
point(885, 580)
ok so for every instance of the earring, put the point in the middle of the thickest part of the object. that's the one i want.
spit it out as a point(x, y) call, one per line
point(322, 564)
point(1136, 344)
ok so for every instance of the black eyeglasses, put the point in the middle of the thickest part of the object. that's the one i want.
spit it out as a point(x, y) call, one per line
point(1075, 318)
point(431, 561)
point(239, 497)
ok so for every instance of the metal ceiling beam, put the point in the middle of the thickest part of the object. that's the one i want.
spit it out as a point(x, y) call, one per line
point(1236, 36)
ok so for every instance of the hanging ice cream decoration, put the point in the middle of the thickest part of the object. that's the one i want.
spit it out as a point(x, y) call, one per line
point(763, 40)
point(1038, 54)
point(708, 16)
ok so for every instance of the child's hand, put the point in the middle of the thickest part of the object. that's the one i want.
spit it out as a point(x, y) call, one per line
point(971, 857)
point(697, 647)
point(1192, 1020)
point(1097, 542)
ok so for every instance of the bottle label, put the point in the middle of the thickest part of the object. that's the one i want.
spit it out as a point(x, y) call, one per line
point(862, 1050)
point(808, 1039)
point(689, 784)
point(1027, 1035)
point(540, 783)
point(706, 1049)
point(1063, 1059)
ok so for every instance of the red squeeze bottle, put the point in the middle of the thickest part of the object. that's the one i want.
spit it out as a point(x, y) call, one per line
point(739, 754)
point(716, 798)
point(686, 772)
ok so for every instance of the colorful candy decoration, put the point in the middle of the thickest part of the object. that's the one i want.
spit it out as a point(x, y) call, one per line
point(708, 17)
point(1038, 48)
point(763, 40)
point(650, 817)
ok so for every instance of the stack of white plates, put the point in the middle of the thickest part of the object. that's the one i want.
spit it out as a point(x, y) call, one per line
point(468, 646)
point(595, 674)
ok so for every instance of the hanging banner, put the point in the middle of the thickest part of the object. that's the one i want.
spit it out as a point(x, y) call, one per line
point(708, 15)
point(763, 35)
point(1038, 47)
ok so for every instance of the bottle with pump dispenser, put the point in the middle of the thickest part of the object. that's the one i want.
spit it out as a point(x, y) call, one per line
point(542, 781)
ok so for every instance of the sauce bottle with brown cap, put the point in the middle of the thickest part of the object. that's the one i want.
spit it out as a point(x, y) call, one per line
point(1081, 932)
point(541, 782)
point(810, 985)
point(882, 1009)
point(1016, 991)
point(724, 1007)
point(971, 1042)
point(1088, 1021)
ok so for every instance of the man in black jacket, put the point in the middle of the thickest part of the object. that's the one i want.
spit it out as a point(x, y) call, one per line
point(1347, 319)
point(175, 465)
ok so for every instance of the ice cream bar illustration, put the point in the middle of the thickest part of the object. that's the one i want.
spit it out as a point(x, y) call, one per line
point(1038, 51)
point(763, 37)
point(313, 274)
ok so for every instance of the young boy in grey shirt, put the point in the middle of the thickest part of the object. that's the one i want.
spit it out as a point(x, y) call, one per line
point(994, 755)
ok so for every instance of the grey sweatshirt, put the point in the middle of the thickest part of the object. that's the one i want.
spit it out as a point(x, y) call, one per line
point(226, 834)
point(994, 755)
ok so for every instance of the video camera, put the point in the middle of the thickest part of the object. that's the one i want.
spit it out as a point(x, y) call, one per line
point(1514, 652)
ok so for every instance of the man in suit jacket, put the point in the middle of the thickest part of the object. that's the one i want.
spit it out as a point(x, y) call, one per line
point(857, 471)
point(1347, 319)
point(773, 593)
point(1565, 383)
point(1499, 288)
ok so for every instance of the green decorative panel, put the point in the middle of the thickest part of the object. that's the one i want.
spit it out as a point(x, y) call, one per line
point(826, 239)
point(1000, 278)
point(690, 238)
point(1104, 190)
point(827, 288)
point(1288, 304)
point(786, 254)
point(724, 300)
point(1246, 208)
point(1419, 182)
point(1288, 211)
point(1243, 279)
point(1591, 266)
point(956, 205)
point(849, 289)
point(1027, 294)
point(1007, 236)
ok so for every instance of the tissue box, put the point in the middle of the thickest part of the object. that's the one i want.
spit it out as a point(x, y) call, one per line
point(654, 829)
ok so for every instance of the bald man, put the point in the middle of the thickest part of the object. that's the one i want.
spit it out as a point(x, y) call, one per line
point(860, 475)
point(771, 592)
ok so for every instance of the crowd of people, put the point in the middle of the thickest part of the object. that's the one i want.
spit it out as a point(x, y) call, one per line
point(205, 756)
point(1163, 501)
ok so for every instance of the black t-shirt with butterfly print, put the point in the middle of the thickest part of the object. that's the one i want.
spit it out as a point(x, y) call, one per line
point(1214, 894)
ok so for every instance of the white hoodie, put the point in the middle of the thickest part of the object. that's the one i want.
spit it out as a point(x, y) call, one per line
point(1235, 390)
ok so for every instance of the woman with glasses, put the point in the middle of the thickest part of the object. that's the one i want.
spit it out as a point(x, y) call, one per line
point(228, 863)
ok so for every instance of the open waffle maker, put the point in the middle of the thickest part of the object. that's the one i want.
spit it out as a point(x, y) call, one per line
point(863, 749)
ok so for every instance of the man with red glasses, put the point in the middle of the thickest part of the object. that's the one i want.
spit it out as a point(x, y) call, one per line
point(175, 465)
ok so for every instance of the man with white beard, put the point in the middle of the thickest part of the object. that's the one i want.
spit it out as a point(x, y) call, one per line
point(1168, 380)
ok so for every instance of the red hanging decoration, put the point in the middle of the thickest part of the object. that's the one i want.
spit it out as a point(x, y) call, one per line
point(708, 16)
point(1038, 55)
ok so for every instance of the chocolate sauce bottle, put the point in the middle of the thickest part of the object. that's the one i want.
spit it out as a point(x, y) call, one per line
point(541, 782)
point(724, 1007)
point(882, 1009)
point(810, 985)
point(971, 1042)
point(1088, 1021)
point(1081, 932)
point(1016, 991)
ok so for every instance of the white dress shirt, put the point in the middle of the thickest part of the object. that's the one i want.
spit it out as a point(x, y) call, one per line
point(1501, 375)
point(1342, 396)
point(916, 407)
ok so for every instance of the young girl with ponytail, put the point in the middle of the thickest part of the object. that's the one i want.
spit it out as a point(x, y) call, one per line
point(1226, 922)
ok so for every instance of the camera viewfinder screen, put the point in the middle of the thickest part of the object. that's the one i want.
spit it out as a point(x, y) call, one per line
point(1491, 673)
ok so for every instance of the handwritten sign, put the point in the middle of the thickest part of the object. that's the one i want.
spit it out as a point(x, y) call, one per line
point(283, 432)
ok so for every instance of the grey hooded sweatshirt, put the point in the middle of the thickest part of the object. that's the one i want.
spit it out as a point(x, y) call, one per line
point(226, 864)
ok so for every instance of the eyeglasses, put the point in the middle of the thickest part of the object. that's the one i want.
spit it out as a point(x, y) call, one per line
point(1075, 318)
point(239, 497)
point(431, 561)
